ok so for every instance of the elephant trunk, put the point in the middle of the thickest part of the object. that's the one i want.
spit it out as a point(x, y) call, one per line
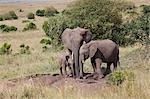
point(76, 59)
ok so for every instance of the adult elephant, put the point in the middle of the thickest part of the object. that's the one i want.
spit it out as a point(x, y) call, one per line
point(72, 40)
point(99, 51)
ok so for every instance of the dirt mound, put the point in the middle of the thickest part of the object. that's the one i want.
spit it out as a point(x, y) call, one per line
point(56, 81)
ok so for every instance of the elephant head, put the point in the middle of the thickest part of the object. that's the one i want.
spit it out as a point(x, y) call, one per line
point(87, 50)
point(73, 40)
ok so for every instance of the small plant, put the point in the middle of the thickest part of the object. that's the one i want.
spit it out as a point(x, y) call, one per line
point(45, 41)
point(50, 11)
point(12, 28)
point(30, 15)
point(10, 15)
point(6, 16)
point(116, 78)
point(25, 21)
point(40, 12)
point(29, 26)
point(6, 28)
point(1, 18)
point(24, 49)
point(5, 49)
point(13, 15)
point(2, 26)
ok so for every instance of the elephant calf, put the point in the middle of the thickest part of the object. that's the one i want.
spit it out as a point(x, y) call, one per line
point(99, 51)
point(64, 61)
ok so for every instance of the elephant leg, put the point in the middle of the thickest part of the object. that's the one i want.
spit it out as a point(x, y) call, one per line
point(71, 71)
point(61, 72)
point(107, 69)
point(73, 65)
point(98, 66)
point(81, 69)
point(64, 70)
point(93, 65)
point(115, 65)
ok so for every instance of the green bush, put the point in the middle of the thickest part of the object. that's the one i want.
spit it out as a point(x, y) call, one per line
point(118, 77)
point(25, 49)
point(10, 15)
point(138, 29)
point(1, 18)
point(5, 49)
point(40, 12)
point(96, 15)
point(12, 28)
point(2, 26)
point(45, 41)
point(146, 9)
point(29, 26)
point(13, 15)
point(54, 27)
point(30, 15)
point(7, 16)
point(6, 28)
point(50, 11)
point(25, 21)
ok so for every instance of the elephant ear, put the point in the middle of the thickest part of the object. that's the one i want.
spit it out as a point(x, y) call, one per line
point(92, 49)
point(84, 32)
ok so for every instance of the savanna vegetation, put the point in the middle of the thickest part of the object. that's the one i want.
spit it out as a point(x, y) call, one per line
point(23, 54)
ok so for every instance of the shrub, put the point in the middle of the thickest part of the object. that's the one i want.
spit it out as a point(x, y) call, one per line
point(10, 15)
point(50, 11)
point(138, 29)
point(25, 21)
point(54, 27)
point(146, 9)
point(12, 28)
point(6, 28)
point(96, 15)
point(40, 12)
point(24, 49)
point(7, 16)
point(30, 15)
point(13, 15)
point(1, 18)
point(118, 77)
point(29, 26)
point(45, 41)
point(5, 49)
point(3, 26)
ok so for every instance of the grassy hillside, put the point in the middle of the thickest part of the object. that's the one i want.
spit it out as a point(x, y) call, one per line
point(133, 59)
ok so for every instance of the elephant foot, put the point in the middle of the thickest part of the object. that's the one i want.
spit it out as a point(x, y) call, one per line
point(107, 72)
point(98, 76)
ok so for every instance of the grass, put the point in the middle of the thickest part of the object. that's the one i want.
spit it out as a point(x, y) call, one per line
point(38, 62)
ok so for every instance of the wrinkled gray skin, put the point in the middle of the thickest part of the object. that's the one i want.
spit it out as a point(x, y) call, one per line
point(72, 40)
point(99, 51)
point(65, 61)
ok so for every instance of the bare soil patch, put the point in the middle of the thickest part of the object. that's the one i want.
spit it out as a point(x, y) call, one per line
point(55, 80)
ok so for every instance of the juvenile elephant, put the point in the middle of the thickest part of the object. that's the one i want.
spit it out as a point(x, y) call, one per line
point(99, 51)
point(72, 40)
point(65, 61)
